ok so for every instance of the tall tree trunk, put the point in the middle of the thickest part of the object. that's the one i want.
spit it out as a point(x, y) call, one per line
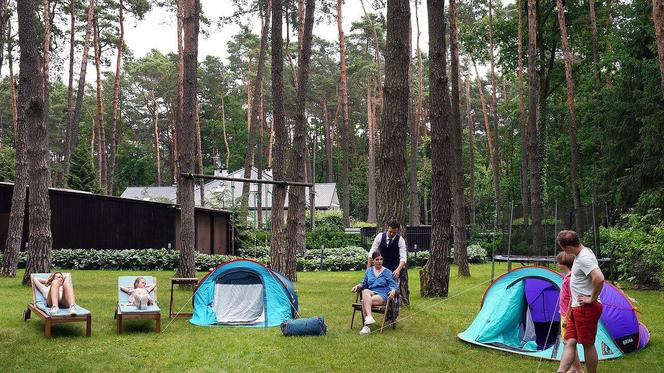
point(658, 20)
point(495, 159)
point(414, 208)
point(471, 148)
point(371, 172)
point(328, 142)
point(100, 112)
point(259, 158)
point(435, 275)
point(70, 86)
point(571, 115)
point(223, 126)
point(485, 115)
point(255, 112)
point(199, 152)
point(33, 113)
point(72, 127)
point(174, 147)
point(116, 100)
point(525, 192)
point(46, 53)
point(456, 135)
point(190, 22)
point(12, 83)
point(280, 258)
point(533, 146)
point(609, 48)
point(4, 20)
point(180, 85)
point(345, 127)
point(379, 74)
point(595, 37)
point(17, 214)
point(155, 137)
point(296, 199)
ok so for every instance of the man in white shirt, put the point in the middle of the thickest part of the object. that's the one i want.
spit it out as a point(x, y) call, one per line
point(393, 247)
point(586, 284)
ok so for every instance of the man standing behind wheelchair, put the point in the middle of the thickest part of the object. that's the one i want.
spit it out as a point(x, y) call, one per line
point(393, 247)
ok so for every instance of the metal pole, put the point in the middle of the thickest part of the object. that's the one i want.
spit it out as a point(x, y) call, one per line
point(233, 217)
point(555, 226)
point(493, 245)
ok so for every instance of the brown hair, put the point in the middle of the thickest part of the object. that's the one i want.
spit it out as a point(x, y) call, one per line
point(376, 254)
point(52, 277)
point(568, 238)
point(565, 259)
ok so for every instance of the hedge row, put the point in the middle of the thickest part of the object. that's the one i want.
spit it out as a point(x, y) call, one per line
point(349, 258)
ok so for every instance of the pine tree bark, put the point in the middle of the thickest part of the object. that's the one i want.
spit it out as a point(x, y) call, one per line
point(254, 107)
point(296, 198)
point(533, 146)
point(100, 113)
point(414, 207)
point(328, 142)
point(485, 115)
point(180, 85)
point(73, 126)
point(17, 214)
point(435, 275)
point(190, 23)
point(223, 126)
point(32, 102)
point(199, 152)
point(471, 147)
point(259, 157)
point(345, 127)
point(595, 37)
point(4, 20)
point(12, 83)
point(571, 116)
point(456, 135)
point(371, 171)
point(523, 123)
point(280, 258)
point(116, 100)
point(658, 20)
point(495, 159)
point(155, 136)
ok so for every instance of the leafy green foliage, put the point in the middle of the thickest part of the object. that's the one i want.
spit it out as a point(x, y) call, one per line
point(7, 164)
point(637, 248)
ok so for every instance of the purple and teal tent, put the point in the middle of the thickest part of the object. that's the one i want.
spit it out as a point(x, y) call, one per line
point(519, 314)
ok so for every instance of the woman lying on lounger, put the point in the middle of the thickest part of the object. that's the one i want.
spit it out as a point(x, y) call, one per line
point(139, 295)
point(377, 286)
point(58, 291)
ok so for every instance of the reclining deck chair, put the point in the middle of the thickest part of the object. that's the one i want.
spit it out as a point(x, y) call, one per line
point(39, 307)
point(126, 311)
point(389, 311)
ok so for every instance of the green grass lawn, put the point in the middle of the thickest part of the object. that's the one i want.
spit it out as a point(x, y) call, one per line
point(424, 340)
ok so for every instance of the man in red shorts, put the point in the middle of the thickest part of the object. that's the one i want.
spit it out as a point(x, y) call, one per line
point(585, 284)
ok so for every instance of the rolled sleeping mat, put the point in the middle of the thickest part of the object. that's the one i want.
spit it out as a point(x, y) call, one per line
point(307, 326)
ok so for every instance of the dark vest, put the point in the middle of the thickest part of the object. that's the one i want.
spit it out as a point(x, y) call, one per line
point(391, 252)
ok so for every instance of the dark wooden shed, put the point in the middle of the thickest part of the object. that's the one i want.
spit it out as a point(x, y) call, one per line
point(81, 220)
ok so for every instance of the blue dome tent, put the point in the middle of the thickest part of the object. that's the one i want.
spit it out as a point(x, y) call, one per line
point(244, 292)
point(519, 314)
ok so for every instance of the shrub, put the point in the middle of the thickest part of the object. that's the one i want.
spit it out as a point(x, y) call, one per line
point(328, 236)
point(349, 258)
point(637, 248)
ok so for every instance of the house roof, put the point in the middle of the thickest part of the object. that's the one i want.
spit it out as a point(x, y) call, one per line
point(326, 193)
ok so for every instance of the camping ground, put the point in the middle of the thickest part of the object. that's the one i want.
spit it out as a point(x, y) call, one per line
point(424, 340)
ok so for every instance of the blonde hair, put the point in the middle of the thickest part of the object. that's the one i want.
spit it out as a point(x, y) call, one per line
point(51, 277)
point(139, 278)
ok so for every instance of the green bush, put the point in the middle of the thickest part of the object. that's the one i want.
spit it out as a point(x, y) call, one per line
point(254, 252)
point(328, 236)
point(637, 248)
point(484, 238)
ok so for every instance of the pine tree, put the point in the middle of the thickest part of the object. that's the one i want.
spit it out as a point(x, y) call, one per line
point(82, 173)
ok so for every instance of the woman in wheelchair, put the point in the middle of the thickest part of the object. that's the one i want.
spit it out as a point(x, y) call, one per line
point(378, 285)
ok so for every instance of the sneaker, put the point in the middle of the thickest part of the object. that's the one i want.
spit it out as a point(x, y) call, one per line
point(365, 330)
point(72, 310)
point(369, 320)
point(53, 310)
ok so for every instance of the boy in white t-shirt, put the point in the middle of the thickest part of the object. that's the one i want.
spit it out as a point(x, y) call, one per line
point(586, 284)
